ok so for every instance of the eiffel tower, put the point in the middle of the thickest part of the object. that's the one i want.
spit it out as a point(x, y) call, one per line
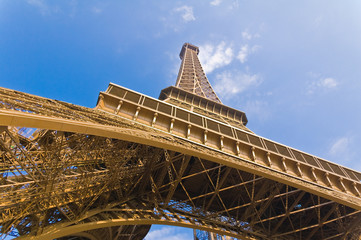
point(185, 159)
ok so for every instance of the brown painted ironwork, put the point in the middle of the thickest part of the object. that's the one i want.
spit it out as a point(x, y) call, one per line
point(184, 160)
point(191, 76)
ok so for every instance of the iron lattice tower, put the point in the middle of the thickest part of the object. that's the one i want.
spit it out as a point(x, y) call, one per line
point(185, 159)
point(191, 76)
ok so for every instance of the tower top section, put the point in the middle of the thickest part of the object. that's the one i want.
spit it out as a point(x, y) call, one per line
point(190, 46)
point(193, 91)
point(191, 76)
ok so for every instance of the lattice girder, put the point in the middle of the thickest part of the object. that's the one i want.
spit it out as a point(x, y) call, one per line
point(91, 169)
point(191, 76)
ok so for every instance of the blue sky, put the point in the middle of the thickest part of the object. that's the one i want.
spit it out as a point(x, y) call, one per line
point(292, 66)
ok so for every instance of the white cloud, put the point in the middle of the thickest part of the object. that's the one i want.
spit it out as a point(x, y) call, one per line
point(340, 146)
point(257, 109)
point(343, 150)
point(213, 57)
point(166, 233)
point(97, 10)
point(327, 83)
point(242, 55)
point(318, 21)
point(229, 83)
point(322, 83)
point(187, 13)
point(41, 5)
point(49, 7)
point(215, 2)
point(245, 51)
point(246, 35)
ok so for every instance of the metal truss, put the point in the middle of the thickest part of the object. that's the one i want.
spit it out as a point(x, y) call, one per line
point(191, 76)
point(72, 171)
point(253, 153)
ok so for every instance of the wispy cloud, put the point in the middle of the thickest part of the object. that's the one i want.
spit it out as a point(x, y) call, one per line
point(230, 83)
point(340, 146)
point(215, 56)
point(318, 21)
point(322, 83)
point(97, 10)
point(246, 35)
point(342, 150)
point(47, 8)
point(175, 20)
point(242, 54)
point(215, 2)
point(245, 51)
point(187, 13)
point(327, 83)
point(257, 109)
point(41, 5)
point(166, 233)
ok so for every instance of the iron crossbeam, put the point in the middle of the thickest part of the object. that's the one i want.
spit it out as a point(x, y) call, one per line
point(77, 161)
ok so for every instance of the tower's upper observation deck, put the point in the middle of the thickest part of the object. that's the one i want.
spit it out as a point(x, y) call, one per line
point(188, 46)
point(194, 92)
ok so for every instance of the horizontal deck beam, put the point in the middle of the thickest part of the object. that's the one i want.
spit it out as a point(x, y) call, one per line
point(165, 139)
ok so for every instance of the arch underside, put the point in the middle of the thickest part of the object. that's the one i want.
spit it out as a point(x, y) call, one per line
point(57, 183)
point(96, 182)
point(126, 232)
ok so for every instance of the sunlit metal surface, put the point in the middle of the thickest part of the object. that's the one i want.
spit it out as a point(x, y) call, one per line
point(111, 172)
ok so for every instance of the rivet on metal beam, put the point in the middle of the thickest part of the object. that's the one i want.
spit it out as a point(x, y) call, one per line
point(328, 182)
point(343, 188)
point(136, 114)
point(253, 154)
point(189, 130)
point(154, 119)
point(205, 136)
point(237, 149)
point(314, 175)
point(221, 142)
point(284, 164)
point(118, 107)
point(298, 165)
point(171, 125)
point(356, 189)
point(268, 157)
